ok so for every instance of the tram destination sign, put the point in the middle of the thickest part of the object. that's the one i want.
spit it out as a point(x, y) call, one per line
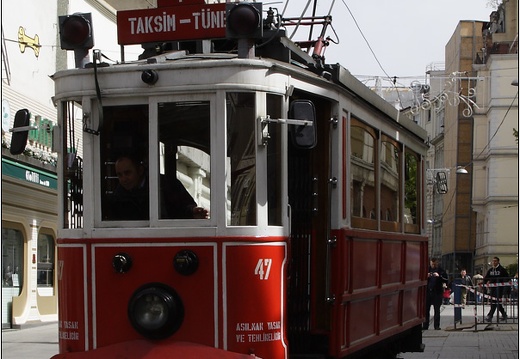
point(174, 23)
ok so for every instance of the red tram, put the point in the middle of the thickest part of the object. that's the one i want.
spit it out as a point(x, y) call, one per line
point(314, 243)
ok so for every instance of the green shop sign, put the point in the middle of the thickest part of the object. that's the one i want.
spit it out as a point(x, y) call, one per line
point(29, 174)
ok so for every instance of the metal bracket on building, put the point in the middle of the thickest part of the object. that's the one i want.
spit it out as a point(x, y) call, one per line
point(451, 95)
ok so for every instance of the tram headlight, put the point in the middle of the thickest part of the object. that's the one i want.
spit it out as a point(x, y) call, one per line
point(156, 311)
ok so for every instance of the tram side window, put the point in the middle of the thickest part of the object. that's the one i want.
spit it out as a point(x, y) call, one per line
point(184, 159)
point(363, 190)
point(274, 163)
point(241, 159)
point(124, 163)
point(390, 182)
point(411, 192)
point(72, 165)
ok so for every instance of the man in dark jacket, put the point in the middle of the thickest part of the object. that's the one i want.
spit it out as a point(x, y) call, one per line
point(496, 275)
point(436, 277)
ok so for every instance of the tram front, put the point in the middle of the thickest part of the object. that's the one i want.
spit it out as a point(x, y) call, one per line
point(173, 202)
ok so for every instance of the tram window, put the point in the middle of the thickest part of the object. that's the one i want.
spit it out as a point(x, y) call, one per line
point(72, 165)
point(411, 191)
point(241, 160)
point(45, 266)
point(363, 191)
point(184, 159)
point(274, 163)
point(124, 165)
point(390, 182)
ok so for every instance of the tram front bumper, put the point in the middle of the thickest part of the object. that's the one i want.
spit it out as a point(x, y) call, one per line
point(146, 349)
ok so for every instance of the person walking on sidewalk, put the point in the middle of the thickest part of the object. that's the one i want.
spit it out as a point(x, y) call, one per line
point(466, 282)
point(478, 279)
point(496, 275)
point(436, 277)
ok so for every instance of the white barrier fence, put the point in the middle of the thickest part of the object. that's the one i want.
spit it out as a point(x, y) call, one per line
point(502, 292)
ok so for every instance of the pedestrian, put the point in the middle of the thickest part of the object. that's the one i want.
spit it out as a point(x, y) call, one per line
point(514, 288)
point(8, 277)
point(495, 277)
point(465, 282)
point(478, 279)
point(446, 294)
point(434, 290)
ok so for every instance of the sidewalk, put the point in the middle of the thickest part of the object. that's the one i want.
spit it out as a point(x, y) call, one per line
point(467, 341)
point(38, 341)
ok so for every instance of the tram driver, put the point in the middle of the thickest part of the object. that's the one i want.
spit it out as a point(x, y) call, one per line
point(130, 201)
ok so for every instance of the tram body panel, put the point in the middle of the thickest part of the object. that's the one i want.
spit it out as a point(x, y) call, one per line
point(73, 325)
point(378, 286)
point(233, 300)
point(254, 297)
point(154, 263)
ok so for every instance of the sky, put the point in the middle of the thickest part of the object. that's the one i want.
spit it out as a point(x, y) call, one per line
point(406, 36)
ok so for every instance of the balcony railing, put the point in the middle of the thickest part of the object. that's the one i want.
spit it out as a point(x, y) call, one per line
point(505, 47)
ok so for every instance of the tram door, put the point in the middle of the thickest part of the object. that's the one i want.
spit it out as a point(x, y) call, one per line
point(309, 172)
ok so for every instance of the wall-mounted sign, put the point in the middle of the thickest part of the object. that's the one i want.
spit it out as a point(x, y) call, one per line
point(29, 174)
point(27, 41)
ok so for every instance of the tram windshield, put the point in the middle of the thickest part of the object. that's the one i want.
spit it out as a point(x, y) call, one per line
point(173, 181)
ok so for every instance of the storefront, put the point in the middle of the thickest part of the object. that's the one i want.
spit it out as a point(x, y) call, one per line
point(29, 216)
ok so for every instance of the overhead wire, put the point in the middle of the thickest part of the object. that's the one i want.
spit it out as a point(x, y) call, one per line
point(489, 142)
point(372, 51)
point(498, 128)
point(300, 20)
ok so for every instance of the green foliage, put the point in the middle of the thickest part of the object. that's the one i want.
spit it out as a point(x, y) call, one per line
point(512, 269)
point(494, 3)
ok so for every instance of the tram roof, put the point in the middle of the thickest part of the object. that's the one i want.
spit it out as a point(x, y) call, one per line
point(281, 52)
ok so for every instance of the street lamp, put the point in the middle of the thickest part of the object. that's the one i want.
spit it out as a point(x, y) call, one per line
point(438, 179)
point(462, 170)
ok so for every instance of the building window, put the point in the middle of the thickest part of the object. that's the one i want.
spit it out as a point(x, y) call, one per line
point(45, 260)
point(12, 258)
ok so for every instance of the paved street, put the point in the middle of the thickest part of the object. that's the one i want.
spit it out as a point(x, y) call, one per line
point(489, 341)
point(462, 341)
